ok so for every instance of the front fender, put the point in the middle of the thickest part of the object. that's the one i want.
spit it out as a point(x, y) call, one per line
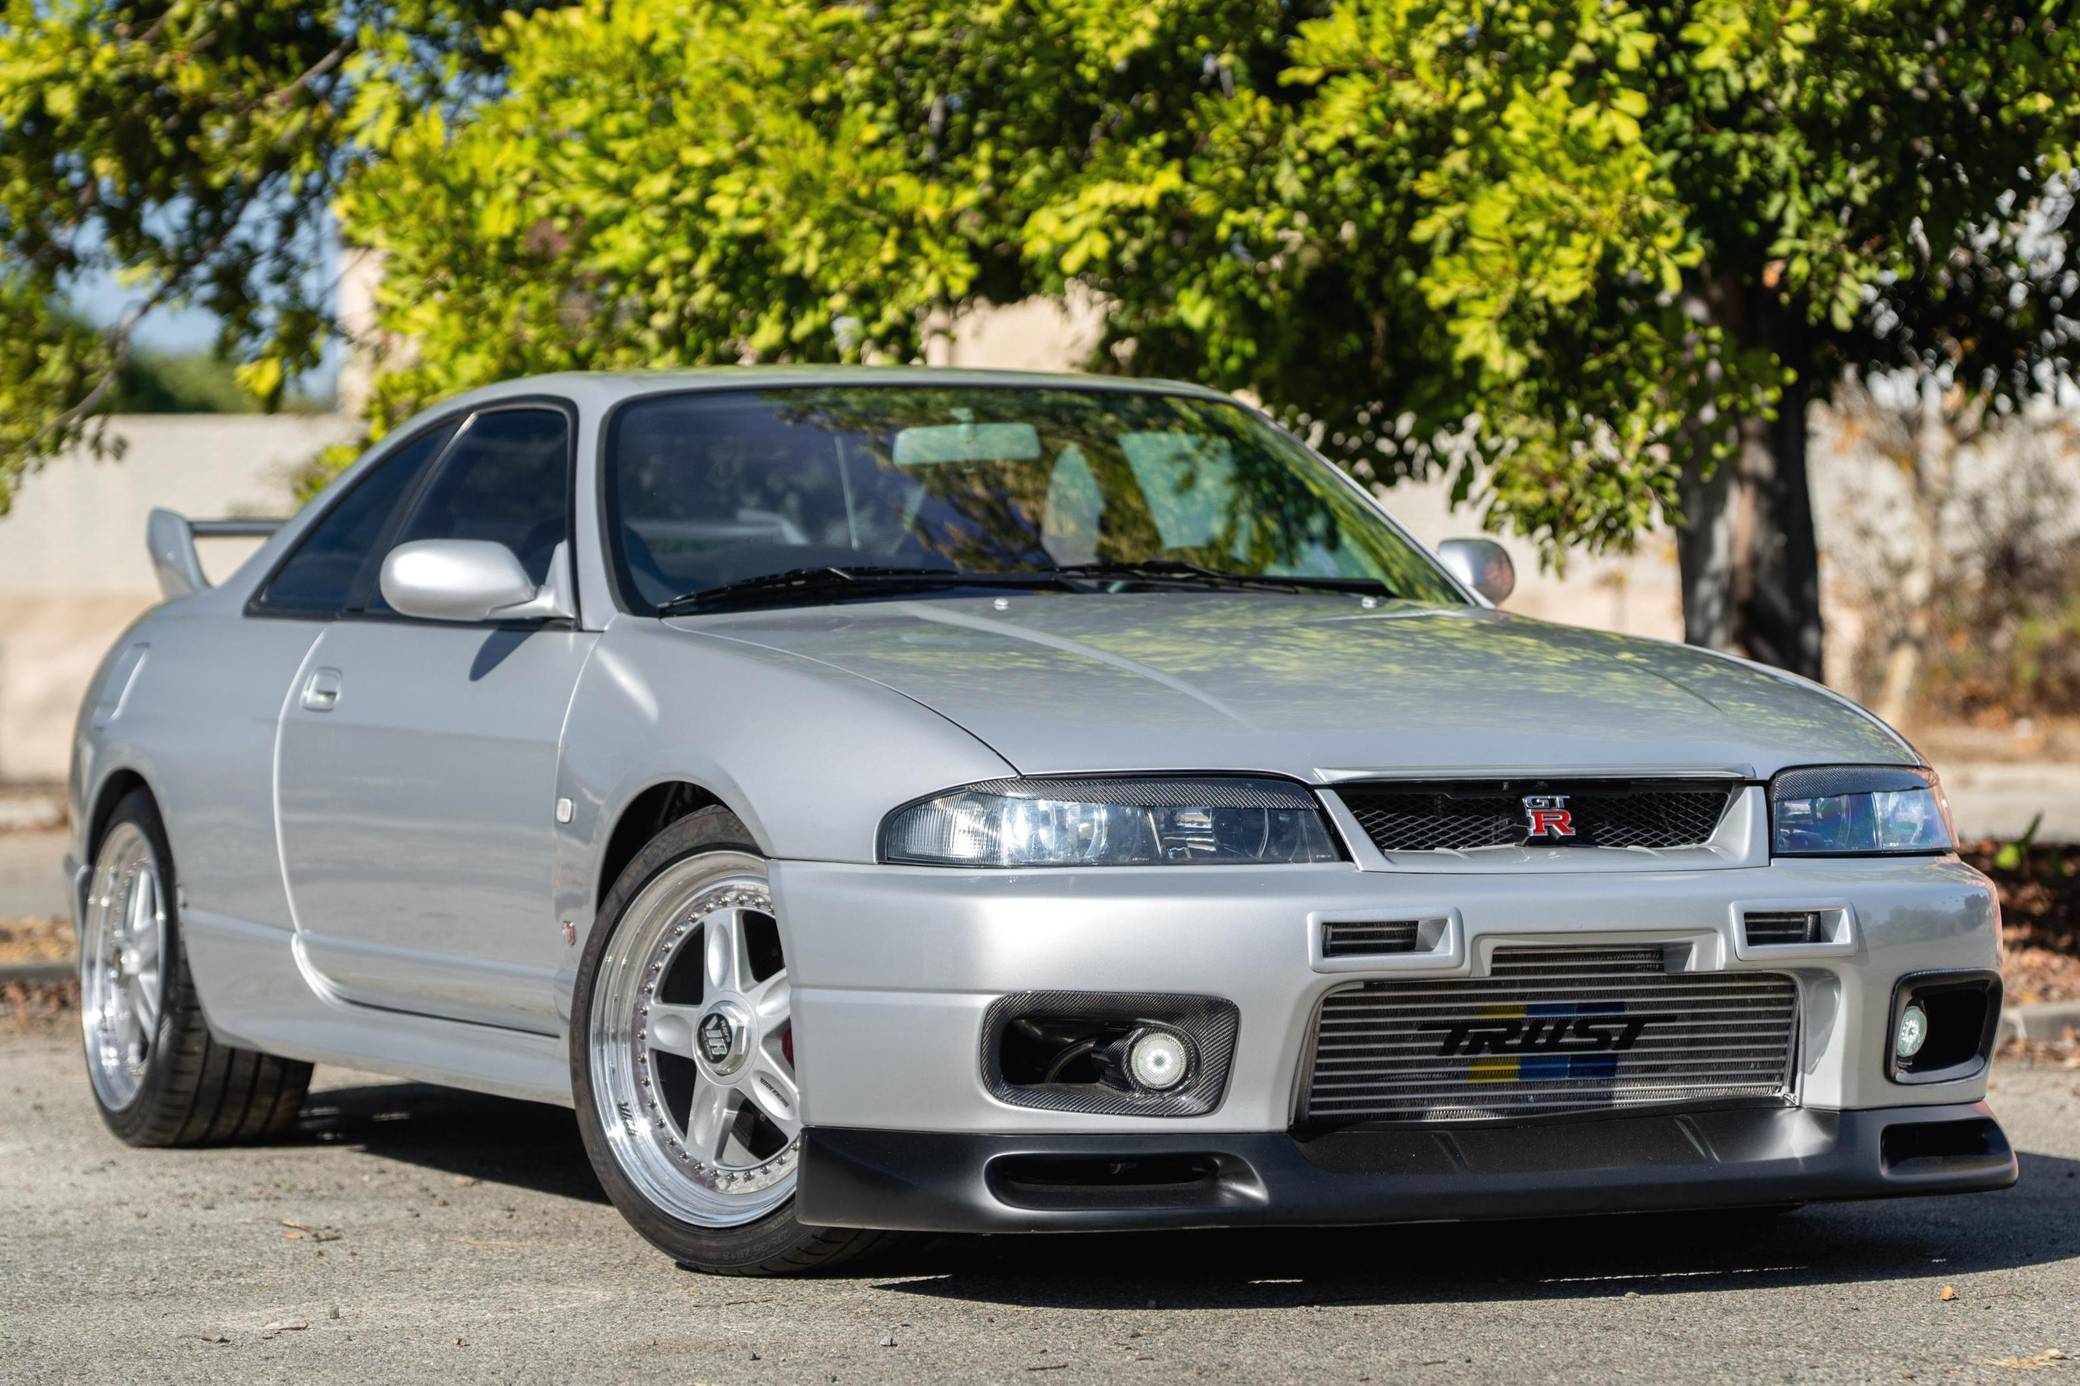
point(810, 757)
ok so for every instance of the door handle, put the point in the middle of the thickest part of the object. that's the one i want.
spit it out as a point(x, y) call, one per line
point(321, 690)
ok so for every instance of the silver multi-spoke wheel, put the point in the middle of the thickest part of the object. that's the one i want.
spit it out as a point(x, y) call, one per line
point(122, 980)
point(692, 1046)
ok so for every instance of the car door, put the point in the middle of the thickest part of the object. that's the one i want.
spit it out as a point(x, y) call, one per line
point(418, 759)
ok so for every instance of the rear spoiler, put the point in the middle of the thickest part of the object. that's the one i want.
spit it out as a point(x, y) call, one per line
point(171, 538)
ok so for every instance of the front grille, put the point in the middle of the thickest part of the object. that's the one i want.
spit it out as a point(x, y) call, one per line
point(1343, 938)
point(1552, 1030)
point(1462, 815)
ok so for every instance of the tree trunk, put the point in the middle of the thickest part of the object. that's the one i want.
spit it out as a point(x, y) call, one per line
point(1750, 560)
point(1931, 475)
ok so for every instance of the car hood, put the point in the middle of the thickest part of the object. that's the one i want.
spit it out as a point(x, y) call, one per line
point(1311, 685)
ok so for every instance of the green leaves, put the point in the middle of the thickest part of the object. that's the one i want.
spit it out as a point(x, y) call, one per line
point(191, 148)
point(1535, 245)
point(666, 184)
point(1553, 249)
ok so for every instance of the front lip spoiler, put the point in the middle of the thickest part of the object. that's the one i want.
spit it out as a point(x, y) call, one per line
point(957, 1182)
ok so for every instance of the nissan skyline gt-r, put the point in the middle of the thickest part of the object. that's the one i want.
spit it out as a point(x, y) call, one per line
point(891, 799)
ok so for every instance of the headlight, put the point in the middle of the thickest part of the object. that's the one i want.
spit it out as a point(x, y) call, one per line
point(1107, 822)
point(1854, 810)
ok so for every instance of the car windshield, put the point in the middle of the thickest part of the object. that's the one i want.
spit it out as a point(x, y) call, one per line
point(711, 488)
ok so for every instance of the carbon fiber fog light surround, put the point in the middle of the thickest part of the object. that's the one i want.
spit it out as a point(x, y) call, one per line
point(1960, 1015)
point(1207, 1024)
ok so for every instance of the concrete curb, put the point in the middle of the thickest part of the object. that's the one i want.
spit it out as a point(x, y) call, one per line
point(37, 972)
point(2040, 1020)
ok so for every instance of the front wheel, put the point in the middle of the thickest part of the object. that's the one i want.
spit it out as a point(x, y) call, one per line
point(682, 1058)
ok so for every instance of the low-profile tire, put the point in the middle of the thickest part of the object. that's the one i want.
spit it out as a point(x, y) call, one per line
point(157, 1075)
point(696, 1146)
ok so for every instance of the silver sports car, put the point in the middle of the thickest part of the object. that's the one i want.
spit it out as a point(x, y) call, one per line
point(919, 799)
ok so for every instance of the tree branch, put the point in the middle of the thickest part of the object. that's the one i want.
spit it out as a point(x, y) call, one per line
point(281, 95)
point(118, 339)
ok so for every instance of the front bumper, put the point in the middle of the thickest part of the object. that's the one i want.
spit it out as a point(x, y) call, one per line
point(947, 1182)
point(893, 972)
point(893, 969)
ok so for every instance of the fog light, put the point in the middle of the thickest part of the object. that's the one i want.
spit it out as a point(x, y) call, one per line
point(1912, 1032)
point(1157, 1060)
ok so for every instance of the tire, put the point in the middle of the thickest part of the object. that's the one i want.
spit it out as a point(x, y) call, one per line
point(157, 1075)
point(714, 1193)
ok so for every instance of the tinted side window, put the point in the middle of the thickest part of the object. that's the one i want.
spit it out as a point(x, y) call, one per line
point(319, 577)
point(507, 479)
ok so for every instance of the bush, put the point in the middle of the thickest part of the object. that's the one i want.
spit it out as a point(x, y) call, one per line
point(194, 382)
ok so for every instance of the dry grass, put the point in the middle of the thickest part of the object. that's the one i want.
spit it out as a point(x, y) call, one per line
point(35, 940)
point(36, 1007)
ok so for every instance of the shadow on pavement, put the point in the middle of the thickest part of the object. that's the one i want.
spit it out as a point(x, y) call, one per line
point(2035, 1223)
point(528, 1145)
point(536, 1147)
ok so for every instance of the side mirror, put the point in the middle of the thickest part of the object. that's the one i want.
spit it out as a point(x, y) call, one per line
point(1481, 564)
point(472, 580)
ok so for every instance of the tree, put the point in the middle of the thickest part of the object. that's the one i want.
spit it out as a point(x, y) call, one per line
point(672, 184)
point(1579, 256)
point(193, 148)
point(1592, 261)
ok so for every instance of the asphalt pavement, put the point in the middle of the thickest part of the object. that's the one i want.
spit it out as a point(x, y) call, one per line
point(410, 1233)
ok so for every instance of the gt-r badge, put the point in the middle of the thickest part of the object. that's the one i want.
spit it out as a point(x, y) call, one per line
point(1549, 815)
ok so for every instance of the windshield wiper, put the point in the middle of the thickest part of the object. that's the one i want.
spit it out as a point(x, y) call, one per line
point(1177, 570)
point(810, 584)
point(815, 584)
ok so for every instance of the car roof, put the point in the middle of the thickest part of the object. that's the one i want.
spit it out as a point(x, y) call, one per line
point(597, 390)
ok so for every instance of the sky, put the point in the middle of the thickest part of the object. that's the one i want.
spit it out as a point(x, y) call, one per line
point(175, 330)
point(102, 300)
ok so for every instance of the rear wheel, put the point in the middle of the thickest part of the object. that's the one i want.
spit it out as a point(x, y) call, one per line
point(158, 1076)
point(682, 1058)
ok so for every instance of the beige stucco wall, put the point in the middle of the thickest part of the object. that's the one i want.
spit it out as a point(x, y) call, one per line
point(73, 568)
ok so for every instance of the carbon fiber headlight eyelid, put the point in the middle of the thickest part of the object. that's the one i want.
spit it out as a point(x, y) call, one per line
point(1198, 791)
point(1820, 781)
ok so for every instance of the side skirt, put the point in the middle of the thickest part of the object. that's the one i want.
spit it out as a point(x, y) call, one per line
point(258, 995)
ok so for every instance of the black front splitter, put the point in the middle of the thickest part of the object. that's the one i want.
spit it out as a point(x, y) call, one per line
point(956, 1182)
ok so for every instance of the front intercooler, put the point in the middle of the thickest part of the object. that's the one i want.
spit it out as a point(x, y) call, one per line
point(1552, 1030)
